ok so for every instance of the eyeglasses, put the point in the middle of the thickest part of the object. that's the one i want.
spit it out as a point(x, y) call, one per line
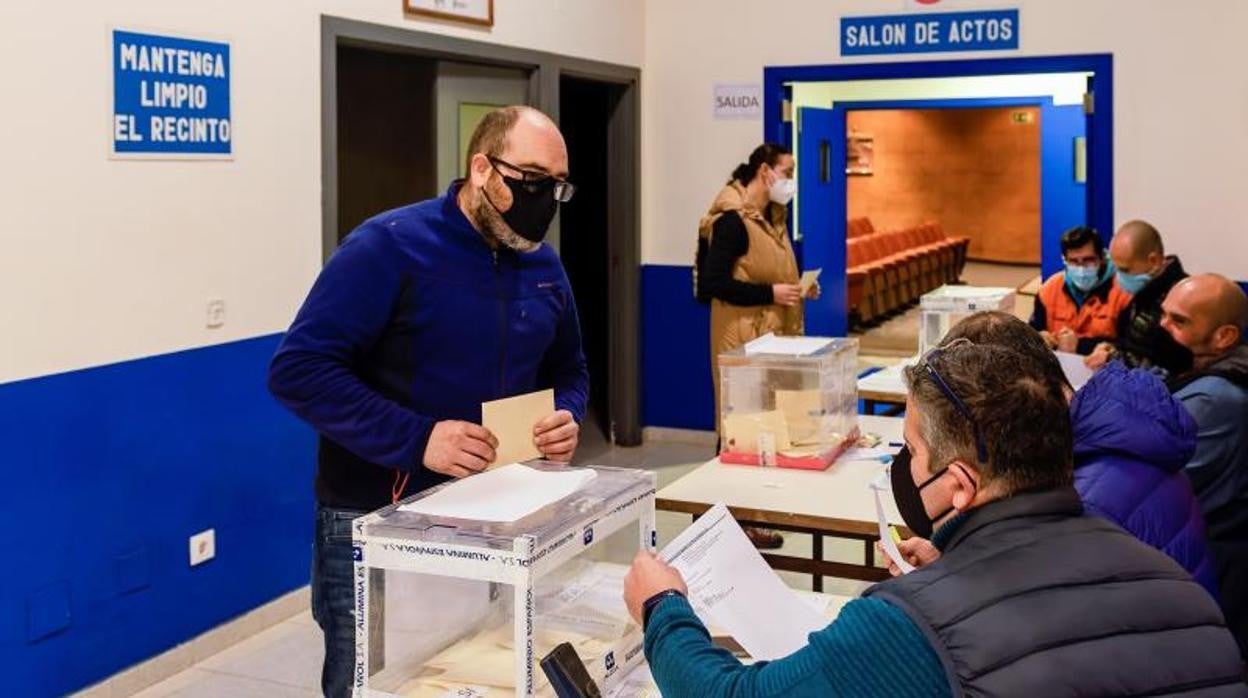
point(536, 182)
point(981, 449)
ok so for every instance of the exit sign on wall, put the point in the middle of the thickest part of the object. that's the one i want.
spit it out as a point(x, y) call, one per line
point(995, 30)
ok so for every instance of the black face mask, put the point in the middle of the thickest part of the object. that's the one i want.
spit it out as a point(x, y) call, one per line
point(906, 495)
point(532, 209)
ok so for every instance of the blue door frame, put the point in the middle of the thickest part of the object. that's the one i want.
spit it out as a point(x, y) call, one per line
point(1100, 150)
point(1053, 219)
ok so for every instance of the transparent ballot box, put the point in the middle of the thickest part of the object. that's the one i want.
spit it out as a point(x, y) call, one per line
point(946, 306)
point(458, 607)
point(790, 402)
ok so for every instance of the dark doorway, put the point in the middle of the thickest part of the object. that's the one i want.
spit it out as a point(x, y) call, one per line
point(585, 109)
point(386, 155)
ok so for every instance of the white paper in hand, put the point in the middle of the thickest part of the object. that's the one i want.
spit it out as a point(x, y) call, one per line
point(878, 485)
point(731, 587)
point(504, 494)
point(1076, 371)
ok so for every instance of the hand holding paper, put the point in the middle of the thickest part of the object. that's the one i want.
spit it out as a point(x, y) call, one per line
point(556, 436)
point(648, 576)
point(810, 283)
point(513, 420)
point(731, 586)
point(459, 449)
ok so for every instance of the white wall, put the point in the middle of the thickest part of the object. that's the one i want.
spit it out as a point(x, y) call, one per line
point(104, 260)
point(1180, 105)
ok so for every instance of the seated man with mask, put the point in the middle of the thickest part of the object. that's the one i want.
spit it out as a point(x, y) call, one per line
point(1078, 308)
point(1029, 597)
point(1145, 271)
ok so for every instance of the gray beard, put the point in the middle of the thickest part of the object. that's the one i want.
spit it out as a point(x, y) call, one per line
point(492, 224)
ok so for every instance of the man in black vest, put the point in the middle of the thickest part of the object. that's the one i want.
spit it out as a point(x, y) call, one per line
point(1028, 597)
point(1208, 314)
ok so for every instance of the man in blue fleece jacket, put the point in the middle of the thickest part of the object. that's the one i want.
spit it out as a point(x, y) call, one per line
point(1029, 597)
point(421, 315)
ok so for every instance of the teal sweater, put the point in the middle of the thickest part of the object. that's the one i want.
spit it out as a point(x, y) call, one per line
point(872, 649)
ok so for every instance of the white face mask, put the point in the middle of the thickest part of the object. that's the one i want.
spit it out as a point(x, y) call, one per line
point(782, 190)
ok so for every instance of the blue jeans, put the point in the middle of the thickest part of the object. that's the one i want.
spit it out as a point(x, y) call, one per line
point(333, 602)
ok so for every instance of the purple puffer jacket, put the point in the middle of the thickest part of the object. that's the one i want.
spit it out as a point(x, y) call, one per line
point(1132, 440)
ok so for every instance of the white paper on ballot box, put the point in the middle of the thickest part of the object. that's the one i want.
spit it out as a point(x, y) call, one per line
point(731, 587)
point(797, 346)
point(504, 494)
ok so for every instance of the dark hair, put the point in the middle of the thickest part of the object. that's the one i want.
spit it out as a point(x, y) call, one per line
point(490, 136)
point(996, 327)
point(1079, 236)
point(766, 154)
point(1022, 416)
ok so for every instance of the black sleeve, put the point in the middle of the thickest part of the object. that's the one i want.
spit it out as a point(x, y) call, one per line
point(1039, 316)
point(728, 242)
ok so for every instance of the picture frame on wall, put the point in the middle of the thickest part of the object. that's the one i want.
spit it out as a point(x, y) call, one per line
point(859, 154)
point(478, 12)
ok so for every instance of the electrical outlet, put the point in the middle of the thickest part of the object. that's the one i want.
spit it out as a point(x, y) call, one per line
point(216, 313)
point(203, 547)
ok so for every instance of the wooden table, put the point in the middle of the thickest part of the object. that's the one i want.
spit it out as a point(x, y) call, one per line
point(835, 502)
point(884, 386)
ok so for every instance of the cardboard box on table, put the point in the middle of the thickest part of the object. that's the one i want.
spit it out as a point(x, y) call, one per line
point(944, 307)
point(791, 403)
point(453, 607)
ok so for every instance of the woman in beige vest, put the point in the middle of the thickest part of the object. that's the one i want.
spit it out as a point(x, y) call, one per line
point(745, 264)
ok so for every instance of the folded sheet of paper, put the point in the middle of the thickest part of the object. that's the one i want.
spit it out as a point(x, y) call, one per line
point(803, 412)
point(798, 346)
point(512, 419)
point(1076, 371)
point(504, 494)
point(731, 587)
point(879, 486)
point(756, 432)
point(808, 280)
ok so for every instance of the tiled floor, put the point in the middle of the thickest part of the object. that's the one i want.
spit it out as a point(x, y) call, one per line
point(284, 660)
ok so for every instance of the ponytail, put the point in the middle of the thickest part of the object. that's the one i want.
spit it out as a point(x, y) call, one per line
point(766, 154)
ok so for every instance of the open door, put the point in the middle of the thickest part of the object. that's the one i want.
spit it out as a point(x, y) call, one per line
point(821, 215)
point(1063, 180)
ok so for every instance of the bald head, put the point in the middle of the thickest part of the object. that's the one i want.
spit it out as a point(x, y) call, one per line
point(1216, 296)
point(1208, 314)
point(1137, 248)
point(520, 125)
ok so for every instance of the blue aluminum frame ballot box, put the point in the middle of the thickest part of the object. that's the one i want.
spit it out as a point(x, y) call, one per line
point(171, 97)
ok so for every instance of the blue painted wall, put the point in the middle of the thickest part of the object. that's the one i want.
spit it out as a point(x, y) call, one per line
point(108, 473)
point(675, 351)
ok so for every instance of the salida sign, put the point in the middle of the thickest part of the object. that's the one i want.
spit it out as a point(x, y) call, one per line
point(738, 101)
